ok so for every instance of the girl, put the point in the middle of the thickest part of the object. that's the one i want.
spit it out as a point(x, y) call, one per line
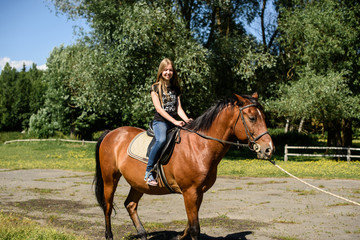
point(165, 95)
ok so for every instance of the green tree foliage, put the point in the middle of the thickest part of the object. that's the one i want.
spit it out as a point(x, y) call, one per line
point(7, 97)
point(66, 101)
point(108, 86)
point(97, 84)
point(37, 90)
point(21, 94)
point(320, 43)
point(325, 98)
point(105, 81)
point(21, 107)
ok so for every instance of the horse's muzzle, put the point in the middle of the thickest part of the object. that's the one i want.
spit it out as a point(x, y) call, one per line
point(264, 152)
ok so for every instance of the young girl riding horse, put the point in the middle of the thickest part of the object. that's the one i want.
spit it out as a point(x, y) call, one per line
point(165, 95)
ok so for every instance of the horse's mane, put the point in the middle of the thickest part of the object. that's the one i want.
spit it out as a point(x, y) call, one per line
point(204, 122)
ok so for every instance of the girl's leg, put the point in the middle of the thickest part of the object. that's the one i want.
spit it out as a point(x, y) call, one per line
point(160, 129)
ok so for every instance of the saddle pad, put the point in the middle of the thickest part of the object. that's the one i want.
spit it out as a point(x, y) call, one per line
point(138, 147)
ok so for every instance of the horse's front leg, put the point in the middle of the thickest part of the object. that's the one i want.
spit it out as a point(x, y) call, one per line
point(192, 199)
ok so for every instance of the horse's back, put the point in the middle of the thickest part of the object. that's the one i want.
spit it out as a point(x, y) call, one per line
point(113, 148)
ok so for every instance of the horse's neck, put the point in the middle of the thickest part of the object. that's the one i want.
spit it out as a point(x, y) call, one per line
point(222, 128)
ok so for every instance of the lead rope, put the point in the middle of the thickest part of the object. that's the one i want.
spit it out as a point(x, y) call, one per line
point(308, 184)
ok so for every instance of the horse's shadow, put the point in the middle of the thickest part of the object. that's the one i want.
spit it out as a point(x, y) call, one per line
point(172, 235)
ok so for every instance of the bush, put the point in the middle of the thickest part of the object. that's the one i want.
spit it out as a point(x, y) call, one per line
point(280, 138)
point(41, 124)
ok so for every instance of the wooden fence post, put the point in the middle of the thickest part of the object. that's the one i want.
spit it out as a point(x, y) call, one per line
point(286, 152)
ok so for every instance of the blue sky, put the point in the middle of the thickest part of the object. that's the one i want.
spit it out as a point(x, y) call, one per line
point(29, 31)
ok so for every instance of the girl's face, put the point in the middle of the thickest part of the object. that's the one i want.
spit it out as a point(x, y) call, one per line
point(167, 73)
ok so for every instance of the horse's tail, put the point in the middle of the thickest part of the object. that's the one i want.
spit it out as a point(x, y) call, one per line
point(98, 179)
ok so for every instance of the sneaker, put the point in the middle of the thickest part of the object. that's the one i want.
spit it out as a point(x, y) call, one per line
point(151, 181)
point(146, 176)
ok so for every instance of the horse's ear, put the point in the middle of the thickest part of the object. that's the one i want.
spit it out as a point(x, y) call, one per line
point(240, 98)
point(255, 95)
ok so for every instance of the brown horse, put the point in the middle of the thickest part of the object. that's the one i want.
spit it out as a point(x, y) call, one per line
point(192, 168)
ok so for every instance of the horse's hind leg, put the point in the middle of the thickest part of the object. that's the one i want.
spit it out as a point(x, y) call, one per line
point(131, 204)
point(110, 185)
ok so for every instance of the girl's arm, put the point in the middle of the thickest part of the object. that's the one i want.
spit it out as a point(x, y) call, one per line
point(162, 112)
point(181, 112)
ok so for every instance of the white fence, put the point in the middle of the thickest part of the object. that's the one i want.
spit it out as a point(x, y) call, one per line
point(348, 152)
point(50, 140)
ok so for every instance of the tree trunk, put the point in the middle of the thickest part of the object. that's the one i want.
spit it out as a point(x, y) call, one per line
point(334, 134)
point(262, 15)
point(301, 125)
point(287, 125)
point(346, 132)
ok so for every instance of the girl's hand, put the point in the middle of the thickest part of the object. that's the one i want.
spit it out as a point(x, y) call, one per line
point(189, 121)
point(179, 123)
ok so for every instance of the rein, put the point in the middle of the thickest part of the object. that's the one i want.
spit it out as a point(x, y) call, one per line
point(252, 145)
point(216, 139)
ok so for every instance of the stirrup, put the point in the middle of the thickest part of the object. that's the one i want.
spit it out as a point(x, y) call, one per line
point(151, 181)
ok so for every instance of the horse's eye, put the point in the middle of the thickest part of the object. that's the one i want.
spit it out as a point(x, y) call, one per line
point(252, 118)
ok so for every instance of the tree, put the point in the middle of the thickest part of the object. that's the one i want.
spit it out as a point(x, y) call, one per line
point(38, 89)
point(321, 38)
point(108, 75)
point(66, 92)
point(21, 107)
point(7, 97)
point(105, 80)
point(217, 25)
point(21, 94)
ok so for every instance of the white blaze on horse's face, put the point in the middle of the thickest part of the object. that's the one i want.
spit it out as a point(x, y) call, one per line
point(265, 142)
point(259, 112)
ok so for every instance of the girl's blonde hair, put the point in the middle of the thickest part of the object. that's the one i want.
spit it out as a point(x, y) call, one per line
point(160, 81)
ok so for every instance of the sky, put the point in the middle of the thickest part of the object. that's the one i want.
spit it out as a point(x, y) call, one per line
point(29, 31)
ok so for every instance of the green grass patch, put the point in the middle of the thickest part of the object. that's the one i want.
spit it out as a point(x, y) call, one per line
point(48, 155)
point(78, 157)
point(17, 228)
point(327, 169)
point(6, 136)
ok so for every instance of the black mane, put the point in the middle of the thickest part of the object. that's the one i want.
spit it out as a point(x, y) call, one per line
point(204, 122)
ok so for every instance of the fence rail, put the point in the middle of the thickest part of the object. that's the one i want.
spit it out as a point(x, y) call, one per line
point(49, 140)
point(348, 152)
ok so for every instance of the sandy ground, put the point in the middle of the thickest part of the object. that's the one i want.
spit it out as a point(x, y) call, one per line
point(245, 208)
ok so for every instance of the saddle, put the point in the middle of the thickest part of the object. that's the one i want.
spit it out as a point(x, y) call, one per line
point(140, 146)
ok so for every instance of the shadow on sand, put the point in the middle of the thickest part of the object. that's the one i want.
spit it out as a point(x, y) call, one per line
point(166, 235)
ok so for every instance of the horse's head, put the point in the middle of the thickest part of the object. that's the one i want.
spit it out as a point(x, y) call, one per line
point(250, 126)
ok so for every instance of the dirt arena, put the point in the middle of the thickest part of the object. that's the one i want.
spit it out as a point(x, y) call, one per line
point(244, 208)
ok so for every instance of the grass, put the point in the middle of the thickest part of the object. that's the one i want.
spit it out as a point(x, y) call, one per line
point(48, 155)
point(327, 169)
point(78, 157)
point(18, 228)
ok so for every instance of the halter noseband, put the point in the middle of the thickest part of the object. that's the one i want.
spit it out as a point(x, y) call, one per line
point(252, 140)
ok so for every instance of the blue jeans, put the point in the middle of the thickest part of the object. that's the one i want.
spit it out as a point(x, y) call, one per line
point(160, 129)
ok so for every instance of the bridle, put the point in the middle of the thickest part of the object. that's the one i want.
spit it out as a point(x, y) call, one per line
point(251, 139)
point(253, 146)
